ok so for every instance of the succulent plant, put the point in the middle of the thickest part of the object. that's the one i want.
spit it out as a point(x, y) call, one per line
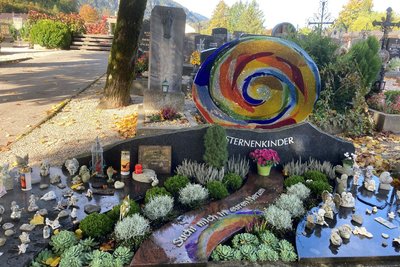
point(266, 253)
point(132, 230)
point(193, 194)
point(248, 252)
point(42, 257)
point(269, 239)
point(286, 251)
point(88, 243)
point(244, 239)
point(158, 207)
point(101, 259)
point(124, 254)
point(73, 257)
point(237, 255)
point(292, 204)
point(222, 253)
point(299, 190)
point(239, 166)
point(62, 241)
point(278, 218)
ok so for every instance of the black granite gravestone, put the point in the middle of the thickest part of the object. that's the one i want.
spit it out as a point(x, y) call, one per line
point(394, 47)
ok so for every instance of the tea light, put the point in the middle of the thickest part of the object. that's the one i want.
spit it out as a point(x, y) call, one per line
point(138, 169)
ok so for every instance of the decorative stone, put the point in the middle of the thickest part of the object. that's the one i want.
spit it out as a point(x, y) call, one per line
point(42, 212)
point(55, 179)
point(2, 209)
point(368, 211)
point(53, 224)
point(7, 226)
point(386, 236)
point(49, 196)
point(22, 248)
point(374, 209)
point(391, 215)
point(345, 231)
point(44, 168)
point(46, 231)
point(74, 213)
point(24, 238)
point(2, 241)
point(73, 201)
point(357, 218)
point(90, 208)
point(37, 220)
point(44, 186)
point(9, 232)
point(335, 238)
point(27, 227)
point(61, 185)
point(62, 214)
point(328, 204)
point(68, 193)
point(147, 176)
point(384, 181)
point(362, 231)
point(384, 244)
point(119, 185)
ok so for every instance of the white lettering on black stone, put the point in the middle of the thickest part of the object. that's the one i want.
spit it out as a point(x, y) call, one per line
point(260, 143)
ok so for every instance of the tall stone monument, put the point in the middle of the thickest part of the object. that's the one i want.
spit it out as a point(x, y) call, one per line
point(167, 32)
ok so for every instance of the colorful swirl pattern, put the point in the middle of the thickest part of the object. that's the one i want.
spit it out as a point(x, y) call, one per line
point(257, 82)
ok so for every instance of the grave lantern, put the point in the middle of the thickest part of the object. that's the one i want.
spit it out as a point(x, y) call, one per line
point(97, 158)
point(165, 86)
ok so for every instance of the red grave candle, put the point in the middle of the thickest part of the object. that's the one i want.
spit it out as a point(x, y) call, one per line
point(138, 169)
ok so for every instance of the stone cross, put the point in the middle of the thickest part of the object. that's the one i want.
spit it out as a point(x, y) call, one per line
point(167, 32)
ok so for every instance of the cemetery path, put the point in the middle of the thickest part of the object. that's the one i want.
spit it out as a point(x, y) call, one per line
point(30, 88)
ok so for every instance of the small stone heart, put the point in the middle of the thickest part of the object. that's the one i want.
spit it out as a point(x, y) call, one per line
point(119, 185)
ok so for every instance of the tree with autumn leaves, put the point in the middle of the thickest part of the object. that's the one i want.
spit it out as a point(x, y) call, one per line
point(88, 13)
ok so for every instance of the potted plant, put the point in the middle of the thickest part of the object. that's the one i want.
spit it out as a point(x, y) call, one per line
point(265, 159)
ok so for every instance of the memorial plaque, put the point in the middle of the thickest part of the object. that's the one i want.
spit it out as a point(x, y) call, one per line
point(144, 43)
point(157, 158)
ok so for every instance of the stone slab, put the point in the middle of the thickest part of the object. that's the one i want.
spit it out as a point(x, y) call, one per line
point(386, 122)
point(209, 226)
point(154, 101)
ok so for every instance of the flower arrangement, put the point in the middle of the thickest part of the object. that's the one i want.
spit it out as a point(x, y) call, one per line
point(264, 157)
point(349, 158)
point(195, 58)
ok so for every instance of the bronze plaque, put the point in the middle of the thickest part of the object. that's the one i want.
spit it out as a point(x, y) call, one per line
point(157, 158)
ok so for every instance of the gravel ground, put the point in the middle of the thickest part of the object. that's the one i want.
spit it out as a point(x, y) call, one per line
point(72, 131)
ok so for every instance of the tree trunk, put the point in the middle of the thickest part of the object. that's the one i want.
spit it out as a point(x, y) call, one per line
point(121, 63)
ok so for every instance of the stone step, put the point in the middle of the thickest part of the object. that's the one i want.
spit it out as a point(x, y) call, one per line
point(86, 47)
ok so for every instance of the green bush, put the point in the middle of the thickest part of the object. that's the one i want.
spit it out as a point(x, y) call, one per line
point(50, 34)
point(294, 179)
point(114, 212)
point(156, 191)
point(232, 181)
point(317, 187)
point(217, 190)
point(216, 146)
point(315, 176)
point(175, 183)
point(96, 225)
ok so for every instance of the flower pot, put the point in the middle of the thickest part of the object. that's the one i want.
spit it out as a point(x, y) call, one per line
point(263, 170)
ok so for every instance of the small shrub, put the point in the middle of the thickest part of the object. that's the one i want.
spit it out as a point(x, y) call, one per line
point(131, 231)
point(175, 183)
point(294, 179)
point(217, 190)
point(315, 176)
point(50, 34)
point(216, 146)
point(279, 219)
point(286, 251)
point(299, 190)
point(292, 204)
point(158, 207)
point(96, 225)
point(193, 194)
point(238, 165)
point(114, 212)
point(266, 253)
point(155, 191)
point(317, 187)
point(169, 114)
point(232, 181)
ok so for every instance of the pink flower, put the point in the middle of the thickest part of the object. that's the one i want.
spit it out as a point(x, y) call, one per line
point(265, 157)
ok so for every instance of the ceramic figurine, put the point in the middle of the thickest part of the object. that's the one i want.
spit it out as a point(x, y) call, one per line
point(310, 223)
point(335, 238)
point(347, 200)
point(3, 190)
point(49, 196)
point(72, 165)
point(32, 203)
point(60, 206)
point(89, 193)
point(74, 213)
point(328, 204)
point(374, 209)
point(345, 231)
point(44, 168)
point(362, 231)
point(356, 176)
point(46, 232)
point(369, 172)
point(6, 177)
point(15, 211)
point(154, 181)
point(370, 185)
point(84, 173)
point(124, 208)
point(24, 237)
point(384, 181)
point(2, 209)
point(320, 217)
point(341, 184)
point(72, 201)
point(53, 224)
point(22, 248)
point(22, 162)
point(76, 180)
point(110, 172)
point(55, 179)
point(391, 215)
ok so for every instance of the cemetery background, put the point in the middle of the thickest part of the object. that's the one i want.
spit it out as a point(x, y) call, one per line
point(367, 145)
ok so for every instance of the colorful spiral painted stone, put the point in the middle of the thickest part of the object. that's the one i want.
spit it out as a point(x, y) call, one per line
point(257, 82)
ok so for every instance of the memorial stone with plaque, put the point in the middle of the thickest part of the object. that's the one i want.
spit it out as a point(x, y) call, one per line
point(167, 31)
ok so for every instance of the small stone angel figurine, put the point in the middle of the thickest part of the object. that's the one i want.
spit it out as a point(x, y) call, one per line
point(328, 204)
point(32, 203)
point(15, 211)
point(341, 183)
point(385, 180)
point(44, 168)
point(320, 217)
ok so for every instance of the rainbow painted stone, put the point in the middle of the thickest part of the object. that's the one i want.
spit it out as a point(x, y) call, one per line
point(257, 82)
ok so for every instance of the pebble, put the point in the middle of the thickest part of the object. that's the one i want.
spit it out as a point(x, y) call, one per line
point(384, 244)
point(90, 208)
point(44, 186)
point(386, 236)
point(9, 232)
point(61, 185)
point(368, 211)
point(27, 227)
point(2, 241)
point(357, 218)
point(7, 226)
point(119, 185)
point(42, 212)
point(63, 213)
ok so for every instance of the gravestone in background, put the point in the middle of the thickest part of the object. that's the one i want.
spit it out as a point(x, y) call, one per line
point(394, 47)
point(167, 31)
point(220, 36)
point(189, 46)
point(144, 40)
point(202, 42)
